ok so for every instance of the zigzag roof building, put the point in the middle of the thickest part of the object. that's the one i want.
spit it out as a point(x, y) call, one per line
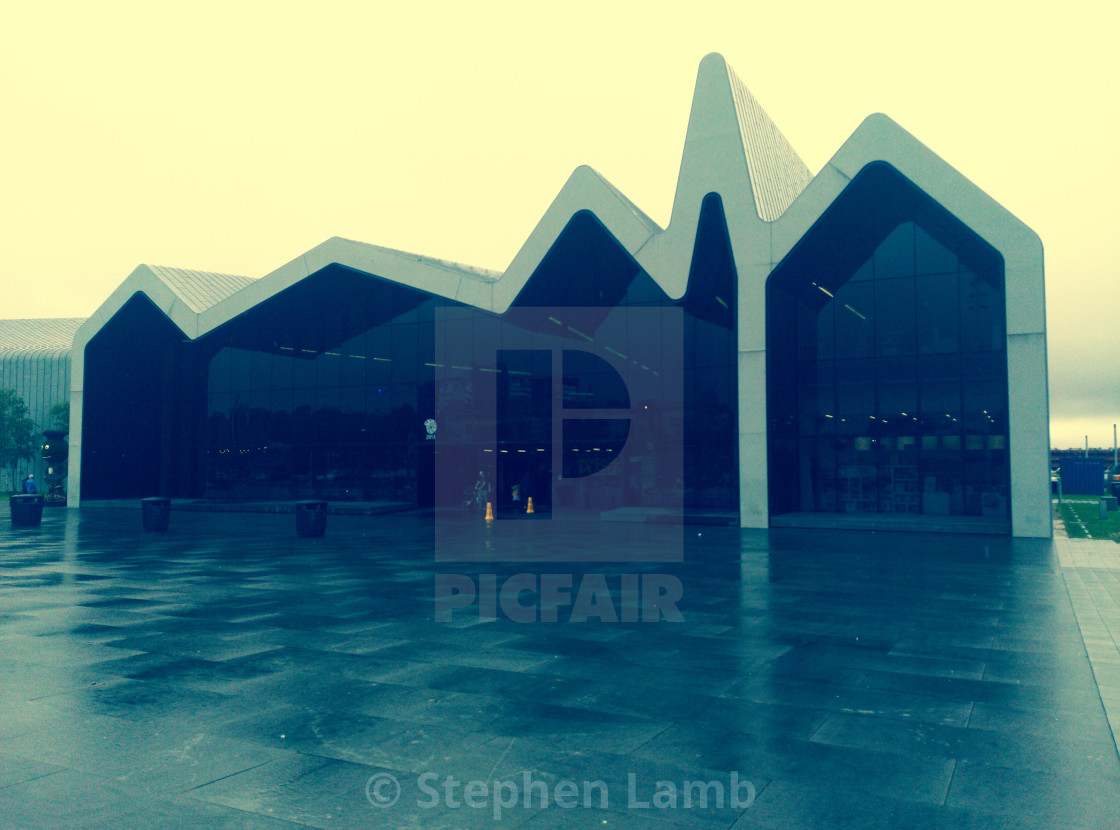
point(863, 347)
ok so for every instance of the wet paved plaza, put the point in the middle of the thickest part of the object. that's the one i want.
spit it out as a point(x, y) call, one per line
point(230, 674)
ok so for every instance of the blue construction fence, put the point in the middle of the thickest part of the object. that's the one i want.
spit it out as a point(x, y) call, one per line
point(1083, 476)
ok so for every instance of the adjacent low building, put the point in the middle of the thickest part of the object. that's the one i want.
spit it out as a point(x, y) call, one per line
point(866, 345)
point(35, 362)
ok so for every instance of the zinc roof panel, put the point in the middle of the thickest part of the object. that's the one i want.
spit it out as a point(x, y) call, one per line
point(50, 333)
point(200, 289)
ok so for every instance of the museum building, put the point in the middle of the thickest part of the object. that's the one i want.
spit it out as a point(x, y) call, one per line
point(863, 347)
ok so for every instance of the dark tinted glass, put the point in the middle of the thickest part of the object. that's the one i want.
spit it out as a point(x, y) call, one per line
point(325, 390)
point(854, 308)
point(894, 317)
point(913, 313)
point(894, 256)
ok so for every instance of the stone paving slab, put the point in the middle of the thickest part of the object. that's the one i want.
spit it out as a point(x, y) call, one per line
point(229, 674)
point(1091, 568)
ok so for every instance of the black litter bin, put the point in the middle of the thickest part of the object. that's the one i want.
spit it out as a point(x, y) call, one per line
point(27, 509)
point(156, 513)
point(311, 518)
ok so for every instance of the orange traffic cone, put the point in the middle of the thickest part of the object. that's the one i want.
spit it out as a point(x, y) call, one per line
point(489, 511)
point(529, 509)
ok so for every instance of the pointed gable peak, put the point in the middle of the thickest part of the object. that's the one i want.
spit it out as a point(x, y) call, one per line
point(728, 122)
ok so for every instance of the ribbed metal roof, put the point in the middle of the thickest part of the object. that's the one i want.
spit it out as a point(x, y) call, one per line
point(640, 214)
point(49, 334)
point(200, 289)
point(485, 274)
point(778, 175)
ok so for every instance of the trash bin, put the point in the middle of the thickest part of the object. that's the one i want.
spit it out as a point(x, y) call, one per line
point(27, 509)
point(311, 518)
point(156, 513)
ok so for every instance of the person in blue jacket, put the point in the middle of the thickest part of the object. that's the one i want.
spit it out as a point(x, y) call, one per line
point(29, 484)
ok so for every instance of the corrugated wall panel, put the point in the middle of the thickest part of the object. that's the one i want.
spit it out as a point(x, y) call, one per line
point(41, 377)
point(1082, 476)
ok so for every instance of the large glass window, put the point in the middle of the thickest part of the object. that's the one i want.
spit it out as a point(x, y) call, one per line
point(325, 390)
point(895, 312)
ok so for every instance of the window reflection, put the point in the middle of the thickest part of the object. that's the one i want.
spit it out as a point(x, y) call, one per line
point(323, 391)
point(919, 377)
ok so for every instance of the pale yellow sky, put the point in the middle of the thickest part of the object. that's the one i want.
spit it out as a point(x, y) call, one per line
point(233, 136)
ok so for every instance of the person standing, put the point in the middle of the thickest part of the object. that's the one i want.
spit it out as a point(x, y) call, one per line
point(29, 484)
point(481, 490)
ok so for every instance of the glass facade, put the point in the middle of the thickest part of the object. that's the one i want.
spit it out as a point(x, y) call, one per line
point(344, 421)
point(887, 366)
point(886, 380)
point(329, 389)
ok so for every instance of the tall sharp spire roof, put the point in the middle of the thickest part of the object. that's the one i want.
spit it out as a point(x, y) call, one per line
point(777, 173)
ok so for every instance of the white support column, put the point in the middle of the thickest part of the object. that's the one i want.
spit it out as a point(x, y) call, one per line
point(1029, 438)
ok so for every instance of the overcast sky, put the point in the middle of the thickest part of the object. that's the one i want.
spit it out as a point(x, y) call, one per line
point(233, 136)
